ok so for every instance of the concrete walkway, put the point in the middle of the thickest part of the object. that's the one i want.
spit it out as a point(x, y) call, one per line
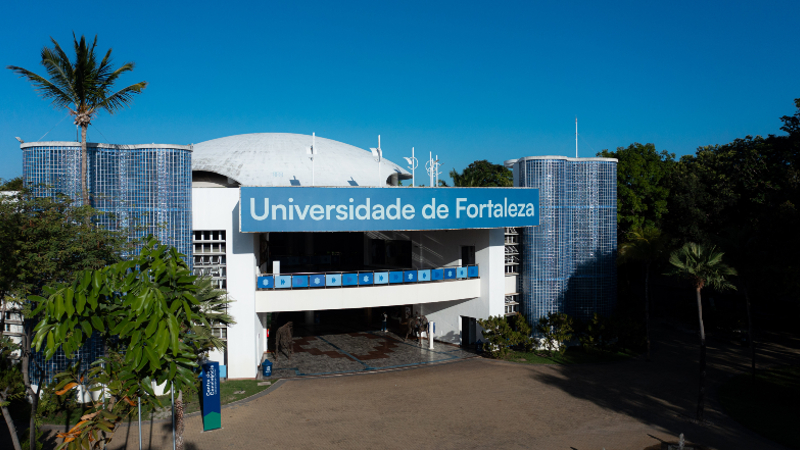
point(479, 403)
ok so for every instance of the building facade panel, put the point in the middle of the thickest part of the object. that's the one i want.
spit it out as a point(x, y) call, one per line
point(569, 260)
point(146, 189)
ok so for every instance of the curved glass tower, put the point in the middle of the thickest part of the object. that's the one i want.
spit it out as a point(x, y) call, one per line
point(569, 260)
point(145, 187)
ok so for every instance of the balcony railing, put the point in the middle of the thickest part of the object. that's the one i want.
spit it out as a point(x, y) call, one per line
point(362, 278)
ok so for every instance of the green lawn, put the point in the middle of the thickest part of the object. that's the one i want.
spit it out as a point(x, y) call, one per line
point(768, 406)
point(573, 355)
point(230, 391)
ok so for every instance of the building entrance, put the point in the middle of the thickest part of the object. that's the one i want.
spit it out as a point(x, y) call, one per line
point(351, 340)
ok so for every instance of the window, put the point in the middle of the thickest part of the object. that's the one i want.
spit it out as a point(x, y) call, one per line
point(467, 255)
point(209, 256)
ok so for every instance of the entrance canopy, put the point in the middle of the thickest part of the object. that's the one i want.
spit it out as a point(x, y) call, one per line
point(282, 209)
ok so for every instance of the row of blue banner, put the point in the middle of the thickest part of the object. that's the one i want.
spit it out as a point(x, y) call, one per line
point(365, 278)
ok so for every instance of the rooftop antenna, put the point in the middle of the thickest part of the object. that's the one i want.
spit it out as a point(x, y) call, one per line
point(20, 140)
point(377, 153)
point(312, 151)
point(576, 136)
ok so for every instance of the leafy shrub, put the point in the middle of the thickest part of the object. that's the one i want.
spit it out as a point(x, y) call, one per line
point(556, 329)
point(505, 333)
point(628, 331)
point(597, 334)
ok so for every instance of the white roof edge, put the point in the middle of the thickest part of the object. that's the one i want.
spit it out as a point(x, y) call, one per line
point(566, 158)
point(99, 145)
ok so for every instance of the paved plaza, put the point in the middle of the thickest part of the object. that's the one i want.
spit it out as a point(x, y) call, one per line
point(481, 403)
point(327, 351)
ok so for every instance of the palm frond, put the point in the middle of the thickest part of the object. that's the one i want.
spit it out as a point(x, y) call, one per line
point(45, 88)
point(81, 85)
point(703, 265)
point(121, 98)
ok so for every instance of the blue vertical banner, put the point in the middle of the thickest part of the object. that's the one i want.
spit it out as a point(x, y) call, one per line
point(212, 408)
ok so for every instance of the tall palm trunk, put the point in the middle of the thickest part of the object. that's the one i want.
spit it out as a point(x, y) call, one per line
point(647, 307)
point(84, 189)
point(701, 396)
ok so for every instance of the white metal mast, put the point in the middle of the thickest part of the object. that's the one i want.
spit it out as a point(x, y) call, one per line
point(377, 153)
point(311, 153)
point(576, 136)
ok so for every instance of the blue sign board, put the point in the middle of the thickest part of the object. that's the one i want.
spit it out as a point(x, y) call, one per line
point(212, 408)
point(276, 209)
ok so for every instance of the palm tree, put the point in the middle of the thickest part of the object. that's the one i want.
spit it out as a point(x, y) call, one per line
point(703, 266)
point(644, 245)
point(82, 86)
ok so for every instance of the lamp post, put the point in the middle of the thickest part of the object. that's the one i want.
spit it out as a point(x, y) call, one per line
point(377, 153)
point(413, 163)
point(432, 167)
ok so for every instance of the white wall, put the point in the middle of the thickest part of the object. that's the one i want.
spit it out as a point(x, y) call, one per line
point(490, 257)
point(217, 209)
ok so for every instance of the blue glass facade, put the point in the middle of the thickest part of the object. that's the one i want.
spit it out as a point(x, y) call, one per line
point(148, 188)
point(569, 260)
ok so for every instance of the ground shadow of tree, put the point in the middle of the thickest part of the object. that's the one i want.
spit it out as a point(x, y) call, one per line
point(663, 392)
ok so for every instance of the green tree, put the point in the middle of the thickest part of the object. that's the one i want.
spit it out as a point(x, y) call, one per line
point(483, 174)
point(503, 333)
point(14, 184)
point(82, 86)
point(556, 329)
point(702, 266)
point(791, 124)
point(11, 386)
point(642, 189)
point(154, 327)
point(644, 246)
point(46, 240)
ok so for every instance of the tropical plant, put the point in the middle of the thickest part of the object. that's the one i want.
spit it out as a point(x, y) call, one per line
point(595, 334)
point(82, 86)
point(45, 241)
point(645, 246)
point(147, 313)
point(503, 333)
point(555, 330)
point(702, 266)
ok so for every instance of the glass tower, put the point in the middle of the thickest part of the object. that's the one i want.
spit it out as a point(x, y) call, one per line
point(145, 187)
point(569, 260)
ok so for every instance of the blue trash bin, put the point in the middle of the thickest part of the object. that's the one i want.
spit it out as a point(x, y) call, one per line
point(266, 368)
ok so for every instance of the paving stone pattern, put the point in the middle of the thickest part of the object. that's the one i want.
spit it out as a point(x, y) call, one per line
point(326, 353)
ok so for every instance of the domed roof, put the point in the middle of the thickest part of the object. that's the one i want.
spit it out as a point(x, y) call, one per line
point(281, 159)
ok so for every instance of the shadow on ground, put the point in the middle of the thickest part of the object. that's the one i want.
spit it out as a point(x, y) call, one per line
point(663, 392)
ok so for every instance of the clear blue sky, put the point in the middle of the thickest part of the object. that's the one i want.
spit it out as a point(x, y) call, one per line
point(466, 80)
